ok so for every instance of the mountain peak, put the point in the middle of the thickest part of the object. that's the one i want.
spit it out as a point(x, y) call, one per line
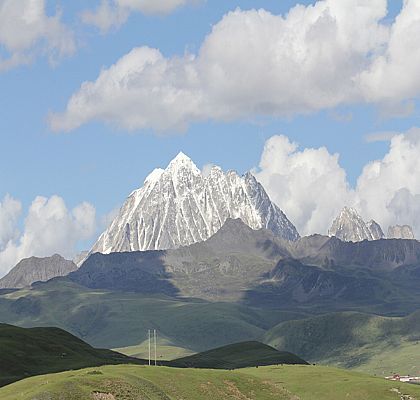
point(187, 207)
point(349, 226)
point(400, 232)
point(182, 161)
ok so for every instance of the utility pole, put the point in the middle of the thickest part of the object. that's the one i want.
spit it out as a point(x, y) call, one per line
point(154, 334)
point(150, 338)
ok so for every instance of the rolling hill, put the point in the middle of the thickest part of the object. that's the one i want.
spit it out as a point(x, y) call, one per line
point(35, 351)
point(372, 343)
point(163, 383)
point(110, 319)
point(238, 355)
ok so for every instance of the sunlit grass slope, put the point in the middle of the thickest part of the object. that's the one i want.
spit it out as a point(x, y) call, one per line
point(151, 383)
point(162, 383)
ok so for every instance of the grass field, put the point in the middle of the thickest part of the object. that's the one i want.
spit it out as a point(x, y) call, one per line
point(166, 350)
point(370, 343)
point(162, 383)
point(325, 383)
point(152, 383)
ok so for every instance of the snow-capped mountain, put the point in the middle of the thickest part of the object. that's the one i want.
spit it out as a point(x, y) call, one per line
point(179, 206)
point(400, 232)
point(350, 227)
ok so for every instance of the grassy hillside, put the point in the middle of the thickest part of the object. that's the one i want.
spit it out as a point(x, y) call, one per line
point(153, 383)
point(325, 383)
point(238, 355)
point(162, 383)
point(115, 319)
point(166, 350)
point(26, 352)
point(370, 343)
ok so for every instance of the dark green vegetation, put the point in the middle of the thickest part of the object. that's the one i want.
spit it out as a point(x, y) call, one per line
point(238, 355)
point(35, 351)
point(162, 383)
point(109, 319)
point(380, 345)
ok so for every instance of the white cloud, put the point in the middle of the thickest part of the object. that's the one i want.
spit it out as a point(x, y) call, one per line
point(113, 13)
point(254, 63)
point(311, 187)
point(10, 210)
point(393, 74)
point(385, 184)
point(49, 228)
point(26, 30)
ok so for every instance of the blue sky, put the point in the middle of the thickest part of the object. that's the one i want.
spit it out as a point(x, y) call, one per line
point(101, 163)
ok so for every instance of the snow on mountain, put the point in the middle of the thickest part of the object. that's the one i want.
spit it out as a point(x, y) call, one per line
point(350, 227)
point(179, 206)
point(400, 232)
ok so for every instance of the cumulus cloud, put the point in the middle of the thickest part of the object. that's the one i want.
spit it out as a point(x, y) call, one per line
point(26, 30)
point(113, 13)
point(386, 185)
point(10, 210)
point(311, 186)
point(49, 227)
point(254, 63)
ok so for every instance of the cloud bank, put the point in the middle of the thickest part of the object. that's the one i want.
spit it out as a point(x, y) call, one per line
point(254, 63)
point(49, 227)
point(311, 187)
point(27, 31)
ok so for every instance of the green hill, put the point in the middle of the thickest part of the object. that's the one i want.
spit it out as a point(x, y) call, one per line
point(108, 319)
point(35, 351)
point(162, 383)
point(371, 343)
point(238, 355)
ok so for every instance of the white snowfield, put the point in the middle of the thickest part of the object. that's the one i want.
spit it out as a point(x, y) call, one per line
point(179, 206)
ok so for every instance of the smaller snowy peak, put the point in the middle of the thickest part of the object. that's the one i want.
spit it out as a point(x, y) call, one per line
point(349, 226)
point(154, 176)
point(375, 230)
point(400, 232)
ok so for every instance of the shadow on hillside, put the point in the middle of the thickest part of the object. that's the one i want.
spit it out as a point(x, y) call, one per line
point(141, 272)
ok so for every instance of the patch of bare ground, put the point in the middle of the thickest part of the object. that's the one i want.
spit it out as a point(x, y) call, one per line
point(234, 392)
point(103, 396)
point(402, 396)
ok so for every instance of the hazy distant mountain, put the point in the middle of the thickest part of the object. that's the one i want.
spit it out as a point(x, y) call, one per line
point(350, 227)
point(219, 268)
point(34, 269)
point(400, 232)
point(179, 206)
point(239, 263)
